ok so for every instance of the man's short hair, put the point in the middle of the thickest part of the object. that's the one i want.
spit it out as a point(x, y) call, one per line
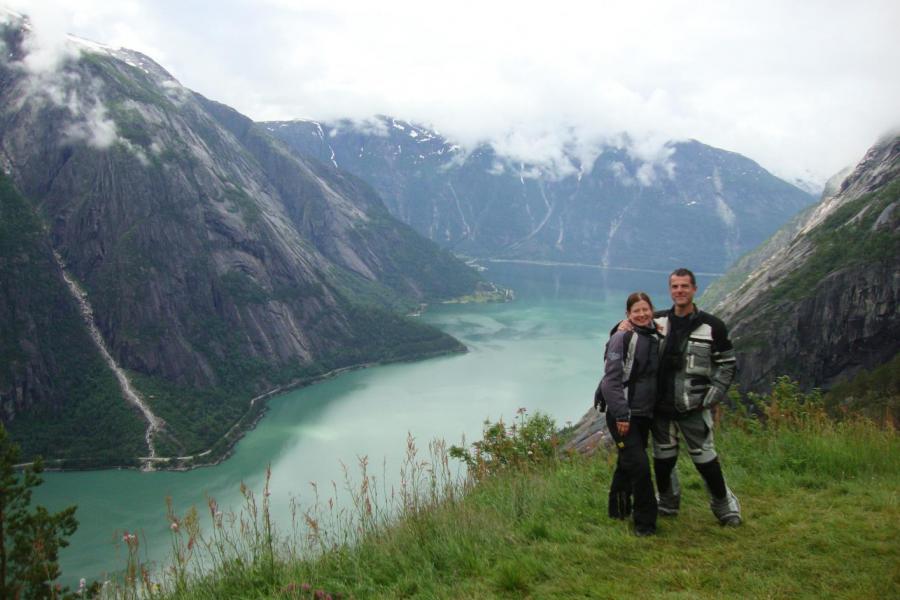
point(681, 273)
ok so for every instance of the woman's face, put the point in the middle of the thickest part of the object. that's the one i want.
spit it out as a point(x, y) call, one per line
point(640, 313)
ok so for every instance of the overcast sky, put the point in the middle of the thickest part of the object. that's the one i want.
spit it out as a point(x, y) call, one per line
point(802, 87)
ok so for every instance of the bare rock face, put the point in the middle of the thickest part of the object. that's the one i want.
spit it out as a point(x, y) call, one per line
point(217, 262)
point(589, 435)
point(826, 302)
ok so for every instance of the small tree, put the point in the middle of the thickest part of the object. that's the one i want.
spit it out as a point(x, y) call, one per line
point(29, 539)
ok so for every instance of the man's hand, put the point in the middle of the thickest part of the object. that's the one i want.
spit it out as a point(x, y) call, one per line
point(625, 325)
point(622, 427)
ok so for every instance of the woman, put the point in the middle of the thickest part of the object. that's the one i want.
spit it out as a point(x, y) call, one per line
point(629, 389)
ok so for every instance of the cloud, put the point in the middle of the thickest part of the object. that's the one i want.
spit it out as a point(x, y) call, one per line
point(799, 87)
point(368, 126)
point(621, 173)
point(47, 48)
point(91, 125)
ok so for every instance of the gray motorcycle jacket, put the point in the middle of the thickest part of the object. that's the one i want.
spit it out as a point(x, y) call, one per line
point(629, 382)
point(708, 362)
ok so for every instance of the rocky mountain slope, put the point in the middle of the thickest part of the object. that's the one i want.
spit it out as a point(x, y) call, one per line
point(697, 206)
point(745, 265)
point(213, 261)
point(824, 301)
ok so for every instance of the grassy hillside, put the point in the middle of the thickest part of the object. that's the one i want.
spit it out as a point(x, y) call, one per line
point(819, 497)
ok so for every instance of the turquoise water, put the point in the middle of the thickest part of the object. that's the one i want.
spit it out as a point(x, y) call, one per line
point(541, 352)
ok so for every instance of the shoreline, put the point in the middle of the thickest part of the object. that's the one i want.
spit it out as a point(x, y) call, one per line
point(550, 263)
point(246, 423)
point(223, 448)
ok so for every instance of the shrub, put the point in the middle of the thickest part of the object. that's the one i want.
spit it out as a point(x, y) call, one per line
point(529, 441)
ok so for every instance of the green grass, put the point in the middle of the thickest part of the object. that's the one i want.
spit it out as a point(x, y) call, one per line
point(820, 503)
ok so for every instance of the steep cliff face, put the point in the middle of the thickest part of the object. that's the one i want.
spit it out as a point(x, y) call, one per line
point(218, 263)
point(707, 205)
point(826, 303)
point(49, 366)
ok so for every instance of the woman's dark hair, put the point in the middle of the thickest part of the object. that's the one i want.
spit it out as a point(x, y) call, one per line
point(637, 297)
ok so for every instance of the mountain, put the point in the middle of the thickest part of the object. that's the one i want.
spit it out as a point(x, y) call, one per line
point(699, 206)
point(170, 253)
point(741, 269)
point(821, 300)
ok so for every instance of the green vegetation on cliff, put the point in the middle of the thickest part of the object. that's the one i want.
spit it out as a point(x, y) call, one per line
point(44, 337)
point(737, 273)
point(874, 393)
point(846, 238)
point(819, 501)
point(201, 424)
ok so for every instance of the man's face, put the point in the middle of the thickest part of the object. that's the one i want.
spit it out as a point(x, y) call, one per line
point(682, 290)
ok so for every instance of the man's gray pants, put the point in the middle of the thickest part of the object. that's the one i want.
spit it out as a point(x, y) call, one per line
point(696, 427)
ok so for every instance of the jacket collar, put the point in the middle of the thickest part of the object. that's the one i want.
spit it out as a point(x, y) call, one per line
point(693, 316)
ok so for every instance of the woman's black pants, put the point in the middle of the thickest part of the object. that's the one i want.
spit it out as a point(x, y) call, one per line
point(632, 475)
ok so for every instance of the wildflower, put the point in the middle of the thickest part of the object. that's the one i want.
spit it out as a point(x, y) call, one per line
point(305, 586)
point(174, 526)
point(81, 584)
point(522, 410)
point(320, 594)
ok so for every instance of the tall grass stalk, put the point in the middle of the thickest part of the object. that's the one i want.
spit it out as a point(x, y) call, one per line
point(246, 545)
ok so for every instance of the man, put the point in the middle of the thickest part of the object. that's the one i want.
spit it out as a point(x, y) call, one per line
point(697, 365)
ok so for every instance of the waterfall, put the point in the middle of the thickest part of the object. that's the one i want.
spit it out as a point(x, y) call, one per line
point(154, 423)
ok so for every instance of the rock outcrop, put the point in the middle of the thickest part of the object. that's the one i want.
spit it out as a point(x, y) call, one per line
point(824, 301)
point(589, 435)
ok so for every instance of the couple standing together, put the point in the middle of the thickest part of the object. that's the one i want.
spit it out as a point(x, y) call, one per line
point(664, 371)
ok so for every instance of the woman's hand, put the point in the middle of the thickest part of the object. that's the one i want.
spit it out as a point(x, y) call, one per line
point(623, 427)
